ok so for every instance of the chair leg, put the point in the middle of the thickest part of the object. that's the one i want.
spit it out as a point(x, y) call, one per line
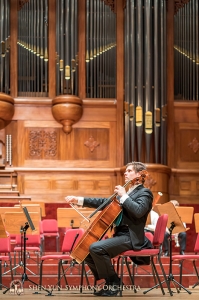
point(181, 267)
point(57, 243)
point(11, 272)
point(158, 278)
point(63, 272)
point(195, 268)
point(40, 275)
point(164, 274)
point(14, 263)
point(83, 272)
point(130, 275)
point(121, 273)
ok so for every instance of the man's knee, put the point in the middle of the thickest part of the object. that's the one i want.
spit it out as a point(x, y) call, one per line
point(182, 235)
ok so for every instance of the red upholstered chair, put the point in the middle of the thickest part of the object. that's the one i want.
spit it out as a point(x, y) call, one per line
point(191, 257)
point(136, 266)
point(50, 229)
point(5, 256)
point(71, 238)
point(151, 253)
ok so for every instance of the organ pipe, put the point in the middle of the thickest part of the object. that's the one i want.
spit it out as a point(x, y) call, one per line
point(186, 41)
point(33, 49)
point(5, 46)
point(100, 50)
point(145, 80)
point(66, 47)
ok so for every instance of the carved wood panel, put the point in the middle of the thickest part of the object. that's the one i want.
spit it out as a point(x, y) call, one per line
point(187, 145)
point(42, 143)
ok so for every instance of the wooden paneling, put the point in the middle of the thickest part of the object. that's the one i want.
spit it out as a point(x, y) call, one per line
point(185, 185)
point(49, 186)
point(39, 137)
point(187, 145)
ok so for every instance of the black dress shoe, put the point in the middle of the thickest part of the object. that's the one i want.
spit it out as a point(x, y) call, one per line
point(111, 292)
point(182, 253)
point(98, 293)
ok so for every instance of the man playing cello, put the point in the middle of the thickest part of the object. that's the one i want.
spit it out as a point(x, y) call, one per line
point(129, 234)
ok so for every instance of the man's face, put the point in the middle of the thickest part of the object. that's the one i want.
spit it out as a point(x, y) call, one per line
point(130, 174)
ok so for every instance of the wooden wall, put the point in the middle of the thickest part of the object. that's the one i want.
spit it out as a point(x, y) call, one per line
point(184, 182)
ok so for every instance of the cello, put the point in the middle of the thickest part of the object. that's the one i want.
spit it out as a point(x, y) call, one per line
point(102, 222)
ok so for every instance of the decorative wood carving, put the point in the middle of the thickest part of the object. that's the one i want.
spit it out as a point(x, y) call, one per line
point(91, 144)
point(67, 110)
point(42, 144)
point(6, 110)
point(194, 145)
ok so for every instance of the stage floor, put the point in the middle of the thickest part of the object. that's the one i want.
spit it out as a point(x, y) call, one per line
point(76, 295)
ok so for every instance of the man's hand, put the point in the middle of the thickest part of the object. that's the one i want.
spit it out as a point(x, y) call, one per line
point(120, 190)
point(71, 199)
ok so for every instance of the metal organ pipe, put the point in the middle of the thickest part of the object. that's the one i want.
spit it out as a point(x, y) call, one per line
point(145, 78)
point(5, 46)
point(186, 40)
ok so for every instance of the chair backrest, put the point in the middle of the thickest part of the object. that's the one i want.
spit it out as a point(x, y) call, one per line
point(196, 247)
point(50, 226)
point(5, 246)
point(33, 240)
point(71, 238)
point(160, 230)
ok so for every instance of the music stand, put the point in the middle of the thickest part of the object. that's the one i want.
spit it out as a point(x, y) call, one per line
point(24, 229)
point(175, 225)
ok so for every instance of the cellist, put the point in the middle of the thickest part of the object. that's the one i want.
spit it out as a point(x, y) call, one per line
point(128, 231)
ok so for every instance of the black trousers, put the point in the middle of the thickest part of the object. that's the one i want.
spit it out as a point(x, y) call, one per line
point(182, 238)
point(101, 252)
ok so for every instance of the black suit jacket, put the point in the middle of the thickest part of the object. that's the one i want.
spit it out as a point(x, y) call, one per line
point(135, 211)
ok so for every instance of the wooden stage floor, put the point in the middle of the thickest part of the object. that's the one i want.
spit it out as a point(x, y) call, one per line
point(75, 295)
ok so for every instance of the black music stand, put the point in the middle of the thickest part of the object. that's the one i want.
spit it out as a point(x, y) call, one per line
point(174, 225)
point(23, 230)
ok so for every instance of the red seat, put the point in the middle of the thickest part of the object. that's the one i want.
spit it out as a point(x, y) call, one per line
point(5, 256)
point(191, 257)
point(71, 237)
point(50, 229)
point(151, 253)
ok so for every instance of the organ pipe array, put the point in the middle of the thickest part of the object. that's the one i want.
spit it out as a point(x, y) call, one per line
point(33, 49)
point(67, 47)
point(186, 45)
point(145, 81)
point(100, 50)
point(5, 46)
